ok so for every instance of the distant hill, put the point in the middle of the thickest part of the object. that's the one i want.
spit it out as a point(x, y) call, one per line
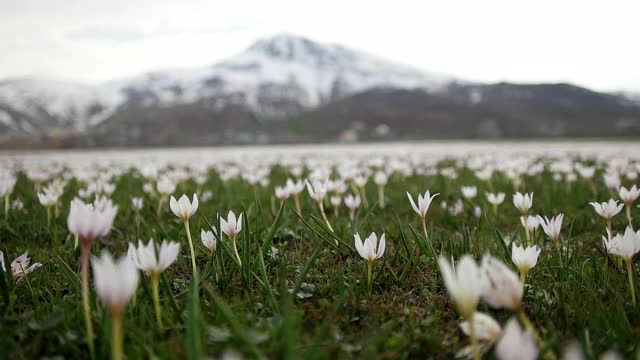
point(291, 89)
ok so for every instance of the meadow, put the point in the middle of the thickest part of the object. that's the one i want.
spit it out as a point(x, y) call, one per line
point(288, 280)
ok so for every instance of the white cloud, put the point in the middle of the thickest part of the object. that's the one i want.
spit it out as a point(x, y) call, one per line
point(588, 43)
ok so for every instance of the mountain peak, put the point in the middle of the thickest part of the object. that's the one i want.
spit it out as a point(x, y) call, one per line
point(287, 47)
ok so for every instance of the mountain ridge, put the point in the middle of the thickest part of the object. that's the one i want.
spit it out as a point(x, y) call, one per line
point(284, 78)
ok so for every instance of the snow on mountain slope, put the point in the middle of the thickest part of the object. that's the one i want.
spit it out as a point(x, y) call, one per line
point(274, 77)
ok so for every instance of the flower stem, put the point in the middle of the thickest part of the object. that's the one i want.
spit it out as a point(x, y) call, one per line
point(523, 277)
point(363, 194)
point(84, 273)
point(48, 216)
point(426, 237)
point(296, 200)
point(116, 335)
point(193, 255)
point(628, 208)
point(474, 340)
point(529, 326)
point(631, 287)
point(381, 196)
point(369, 285)
point(6, 206)
point(324, 216)
point(235, 250)
point(156, 297)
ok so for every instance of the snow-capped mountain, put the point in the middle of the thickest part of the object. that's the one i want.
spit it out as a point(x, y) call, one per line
point(274, 77)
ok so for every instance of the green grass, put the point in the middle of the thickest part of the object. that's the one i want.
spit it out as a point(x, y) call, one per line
point(253, 311)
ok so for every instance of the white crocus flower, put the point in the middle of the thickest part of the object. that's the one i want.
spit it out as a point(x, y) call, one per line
point(552, 226)
point(524, 258)
point(607, 210)
point(469, 192)
point(424, 202)
point(625, 246)
point(209, 239)
point(20, 266)
point(353, 203)
point(370, 250)
point(183, 208)
point(145, 259)
point(523, 202)
point(628, 197)
point(232, 227)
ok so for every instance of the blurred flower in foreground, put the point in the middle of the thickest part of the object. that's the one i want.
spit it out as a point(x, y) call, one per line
point(516, 343)
point(115, 283)
point(88, 222)
point(487, 331)
point(465, 284)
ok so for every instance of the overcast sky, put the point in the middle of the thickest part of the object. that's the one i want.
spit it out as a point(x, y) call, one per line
point(595, 44)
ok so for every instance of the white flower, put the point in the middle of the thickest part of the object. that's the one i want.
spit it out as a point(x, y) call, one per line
point(530, 223)
point(335, 201)
point(629, 196)
point(115, 282)
point(165, 186)
point(495, 199)
point(464, 283)
point(525, 259)
point(469, 192)
point(20, 266)
point(503, 287)
point(523, 202)
point(612, 180)
point(137, 203)
point(552, 226)
point(184, 208)
point(625, 245)
point(380, 178)
point(371, 249)
point(423, 203)
point(486, 328)
point(295, 187)
point(352, 202)
point(318, 191)
point(477, 212)
point(7, 183)
point(209, 239)
point(282, 193)
point(48, 197)
point(516, 343)
point(89, 221)
point(145, 259)
point(231, 227)
point(607, 209)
